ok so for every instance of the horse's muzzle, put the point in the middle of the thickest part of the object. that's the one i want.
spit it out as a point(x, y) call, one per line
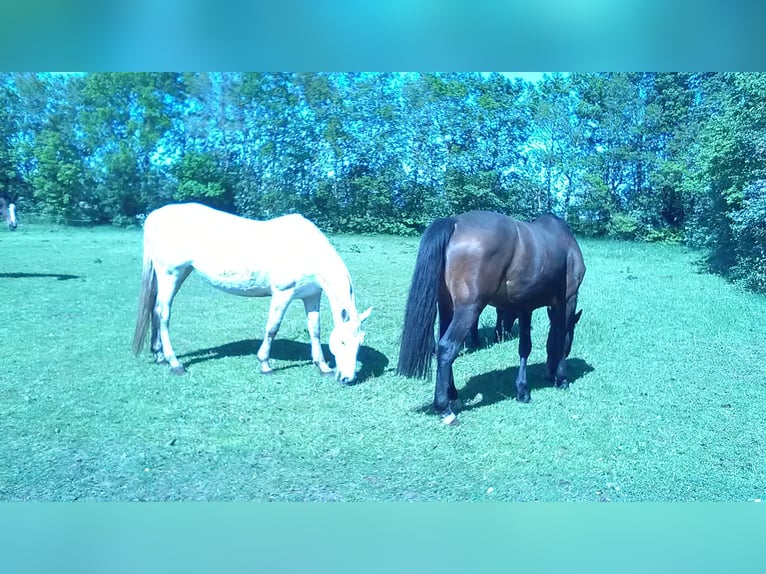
point(344, 380)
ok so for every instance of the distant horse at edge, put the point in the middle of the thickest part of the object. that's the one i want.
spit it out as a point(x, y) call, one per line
point(8, 212)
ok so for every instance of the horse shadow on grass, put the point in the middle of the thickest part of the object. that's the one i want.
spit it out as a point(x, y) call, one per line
point(374, 363)
point(58, 276)
point(500, 385)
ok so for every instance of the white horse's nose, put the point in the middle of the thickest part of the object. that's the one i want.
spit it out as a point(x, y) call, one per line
point(343, 379)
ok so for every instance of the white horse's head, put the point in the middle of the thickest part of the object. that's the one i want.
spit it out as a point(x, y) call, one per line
point(345, 340)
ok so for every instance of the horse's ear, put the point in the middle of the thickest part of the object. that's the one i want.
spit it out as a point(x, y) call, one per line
point(577, 316)
point(364, 315)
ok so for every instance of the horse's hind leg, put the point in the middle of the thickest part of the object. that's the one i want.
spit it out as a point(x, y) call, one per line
point(311, 304)
point(447, 350)
point(279, 303)
point(525, 347)
point(474, 338)
point(168, 283)
point(504, 324)
point(445, 319)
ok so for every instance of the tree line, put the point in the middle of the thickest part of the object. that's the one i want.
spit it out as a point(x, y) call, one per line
point(649, 156)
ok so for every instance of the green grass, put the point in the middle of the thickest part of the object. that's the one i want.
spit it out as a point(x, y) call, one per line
point(667, 403)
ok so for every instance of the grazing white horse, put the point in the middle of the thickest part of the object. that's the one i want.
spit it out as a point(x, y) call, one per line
point(8, 212)
point(286, 258)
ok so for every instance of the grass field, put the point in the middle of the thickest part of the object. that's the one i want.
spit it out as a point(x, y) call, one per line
point(667, 401)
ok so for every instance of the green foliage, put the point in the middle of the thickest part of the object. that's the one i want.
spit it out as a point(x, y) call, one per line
point(593, 214)
point(478, 192)
point(664, 235)
point(623, 226)
point(749, 237)
point(59, 180)
point(726, 202)
point(10, 176)
point(201, 178)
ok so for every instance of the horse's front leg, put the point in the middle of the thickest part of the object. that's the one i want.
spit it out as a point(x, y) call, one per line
point(280, 300)
point(525, 347)
point(556, 347)
point(311, 304)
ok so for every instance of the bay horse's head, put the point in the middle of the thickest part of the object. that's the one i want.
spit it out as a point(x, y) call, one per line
point(8, 212)
point(570, 332)
point(572, 320)
point(345, 340)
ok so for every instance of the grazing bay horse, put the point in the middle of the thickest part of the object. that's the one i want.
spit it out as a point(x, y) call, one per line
point(285, 258)
point(480, 258)
point(8, 212)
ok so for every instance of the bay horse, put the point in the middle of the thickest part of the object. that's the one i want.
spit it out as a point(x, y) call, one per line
point(8, 212)
point(481, 258)
point(285, 258)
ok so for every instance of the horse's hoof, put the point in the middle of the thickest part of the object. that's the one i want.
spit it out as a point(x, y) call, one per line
point(179, 370)
point(265, 367)
point(523, 397)
point(450, 420)
point(324, 368)
point(562, 384)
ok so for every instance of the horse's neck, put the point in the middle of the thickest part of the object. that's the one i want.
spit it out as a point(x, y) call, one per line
point(336, 283)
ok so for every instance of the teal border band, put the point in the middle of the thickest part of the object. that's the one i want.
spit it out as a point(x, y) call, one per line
point(399, 35)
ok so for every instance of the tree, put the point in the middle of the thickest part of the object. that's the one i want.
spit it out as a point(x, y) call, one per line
point(731, 168)
point(10, 176)
point(128, 121)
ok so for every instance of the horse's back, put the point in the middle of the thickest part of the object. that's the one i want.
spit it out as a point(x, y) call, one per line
point(194, 223)
point(183, 218)
point(234, 253)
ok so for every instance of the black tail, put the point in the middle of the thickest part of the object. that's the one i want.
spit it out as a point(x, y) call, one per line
point(417, 343)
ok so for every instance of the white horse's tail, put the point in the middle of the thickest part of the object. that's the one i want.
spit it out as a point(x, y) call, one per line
point(146, 301)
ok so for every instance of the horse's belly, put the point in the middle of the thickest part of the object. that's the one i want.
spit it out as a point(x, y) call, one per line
point(244, 291)
point(246, 283)
point(523, 297)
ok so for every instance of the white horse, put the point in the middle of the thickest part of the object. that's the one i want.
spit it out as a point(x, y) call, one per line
point(286, 258)
point(8, 212)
